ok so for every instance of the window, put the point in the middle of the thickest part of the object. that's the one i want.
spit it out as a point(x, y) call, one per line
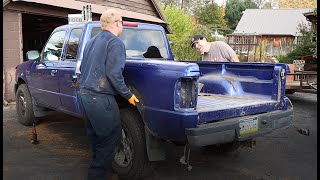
point(73, 44)
point(299, 40)
point(144, 43)
point(95, 31)
point(53, 49)
point(141, 43)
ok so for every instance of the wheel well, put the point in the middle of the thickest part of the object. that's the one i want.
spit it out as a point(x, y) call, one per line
point(20, 81)
point(127, 105)
point(123, 103)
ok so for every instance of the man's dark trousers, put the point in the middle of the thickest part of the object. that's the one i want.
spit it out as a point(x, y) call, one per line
point(103, 129)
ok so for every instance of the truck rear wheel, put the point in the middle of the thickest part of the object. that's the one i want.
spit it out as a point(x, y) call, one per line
point(24, 106)
point(131, 159)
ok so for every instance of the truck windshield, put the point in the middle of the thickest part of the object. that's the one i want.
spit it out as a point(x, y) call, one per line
point(142, 43)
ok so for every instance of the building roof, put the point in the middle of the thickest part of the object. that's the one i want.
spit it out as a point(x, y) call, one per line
point(99, 9)
point(272, 21)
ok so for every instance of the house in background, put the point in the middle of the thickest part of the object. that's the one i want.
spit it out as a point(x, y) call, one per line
point(265, 33)
point(27, 24)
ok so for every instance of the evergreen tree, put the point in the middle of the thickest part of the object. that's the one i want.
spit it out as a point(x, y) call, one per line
point(234, 10)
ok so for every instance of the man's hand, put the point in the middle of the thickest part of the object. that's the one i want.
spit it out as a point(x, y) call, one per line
point(133, 100)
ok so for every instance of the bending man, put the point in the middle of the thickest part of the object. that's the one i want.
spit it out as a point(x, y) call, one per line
point(100, 80)
point(217, 51)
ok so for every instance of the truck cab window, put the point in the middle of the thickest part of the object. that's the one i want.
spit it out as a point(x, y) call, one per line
point(53, 49)
point(95, 31)
point(73, 43)
point(144, 43)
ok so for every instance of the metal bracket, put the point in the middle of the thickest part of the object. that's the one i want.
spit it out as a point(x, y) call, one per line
point(184, 160)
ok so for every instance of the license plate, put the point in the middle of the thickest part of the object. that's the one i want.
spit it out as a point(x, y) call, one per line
point(248, 125)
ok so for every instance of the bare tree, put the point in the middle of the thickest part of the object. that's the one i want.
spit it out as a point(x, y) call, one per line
point(260, 3)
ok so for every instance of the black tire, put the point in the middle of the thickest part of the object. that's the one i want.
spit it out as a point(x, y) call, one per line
point(223, 148)
point(133, 129)
point(24, 106)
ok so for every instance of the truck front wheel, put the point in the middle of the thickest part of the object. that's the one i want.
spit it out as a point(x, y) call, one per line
point(24, 106)
point(131, 159)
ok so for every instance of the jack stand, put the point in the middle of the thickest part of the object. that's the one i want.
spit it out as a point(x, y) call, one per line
point(184, 160)
point(34, 139)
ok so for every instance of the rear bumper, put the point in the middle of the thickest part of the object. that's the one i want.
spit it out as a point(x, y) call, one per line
point(229, 130)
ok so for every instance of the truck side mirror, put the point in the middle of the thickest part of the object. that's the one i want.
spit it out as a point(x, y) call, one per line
point(33, 55)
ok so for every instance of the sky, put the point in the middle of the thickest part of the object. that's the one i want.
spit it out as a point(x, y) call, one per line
point(220, 2)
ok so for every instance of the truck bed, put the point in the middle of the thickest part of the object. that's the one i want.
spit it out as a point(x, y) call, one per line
point(216, 102)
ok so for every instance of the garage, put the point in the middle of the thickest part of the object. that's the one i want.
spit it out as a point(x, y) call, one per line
point(36, 30)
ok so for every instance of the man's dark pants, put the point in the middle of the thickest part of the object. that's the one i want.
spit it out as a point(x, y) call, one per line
point(103, 129)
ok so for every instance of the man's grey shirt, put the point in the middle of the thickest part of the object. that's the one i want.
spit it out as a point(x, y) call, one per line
point(219, 52)
point(102, 65)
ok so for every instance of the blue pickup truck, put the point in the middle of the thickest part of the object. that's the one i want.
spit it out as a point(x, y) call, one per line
point(191, 102)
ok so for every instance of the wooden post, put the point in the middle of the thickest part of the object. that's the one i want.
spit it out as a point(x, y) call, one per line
point(260, 47)
point(255, 48)
point(249, 42)
point(241, 46)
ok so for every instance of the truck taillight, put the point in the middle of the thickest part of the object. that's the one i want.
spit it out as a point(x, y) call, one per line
point(130, 24)
point(186, 93)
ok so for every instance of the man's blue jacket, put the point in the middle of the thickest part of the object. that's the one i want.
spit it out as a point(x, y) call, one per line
point(102, 65)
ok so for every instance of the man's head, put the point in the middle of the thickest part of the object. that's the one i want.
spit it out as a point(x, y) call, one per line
point(111, 20)
point(200, 43)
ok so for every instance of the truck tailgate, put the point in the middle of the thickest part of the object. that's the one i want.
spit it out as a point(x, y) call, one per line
point(213, 107)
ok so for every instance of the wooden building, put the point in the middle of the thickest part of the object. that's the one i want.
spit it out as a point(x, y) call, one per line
point(262, 34)
point(27, 24)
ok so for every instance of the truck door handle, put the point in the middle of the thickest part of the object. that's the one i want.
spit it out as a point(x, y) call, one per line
point(53, 72)
point(40, 66)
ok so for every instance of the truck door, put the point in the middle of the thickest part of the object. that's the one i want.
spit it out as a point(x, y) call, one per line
point(68, 95)
point(44, 80)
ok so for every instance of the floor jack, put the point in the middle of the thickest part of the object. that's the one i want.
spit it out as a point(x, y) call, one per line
point(184, 160)
point(34, 139)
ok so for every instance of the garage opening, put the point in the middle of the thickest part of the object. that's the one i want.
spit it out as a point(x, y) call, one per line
point(36, 30)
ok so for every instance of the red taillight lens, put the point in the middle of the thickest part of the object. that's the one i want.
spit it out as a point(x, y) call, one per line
point(130, 24)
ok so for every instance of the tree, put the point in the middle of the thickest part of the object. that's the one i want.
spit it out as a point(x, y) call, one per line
point(267, 5)
point(297, 3)
point(248, 4)
point(180, 22)
point(308, 47)
point(260, 3)
point(234, 9)
point(211, 15)
point(186, 5)
point(167, 3)
point(183, 30)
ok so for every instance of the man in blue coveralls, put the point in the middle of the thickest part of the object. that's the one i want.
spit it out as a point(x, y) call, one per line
point(100, 80)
